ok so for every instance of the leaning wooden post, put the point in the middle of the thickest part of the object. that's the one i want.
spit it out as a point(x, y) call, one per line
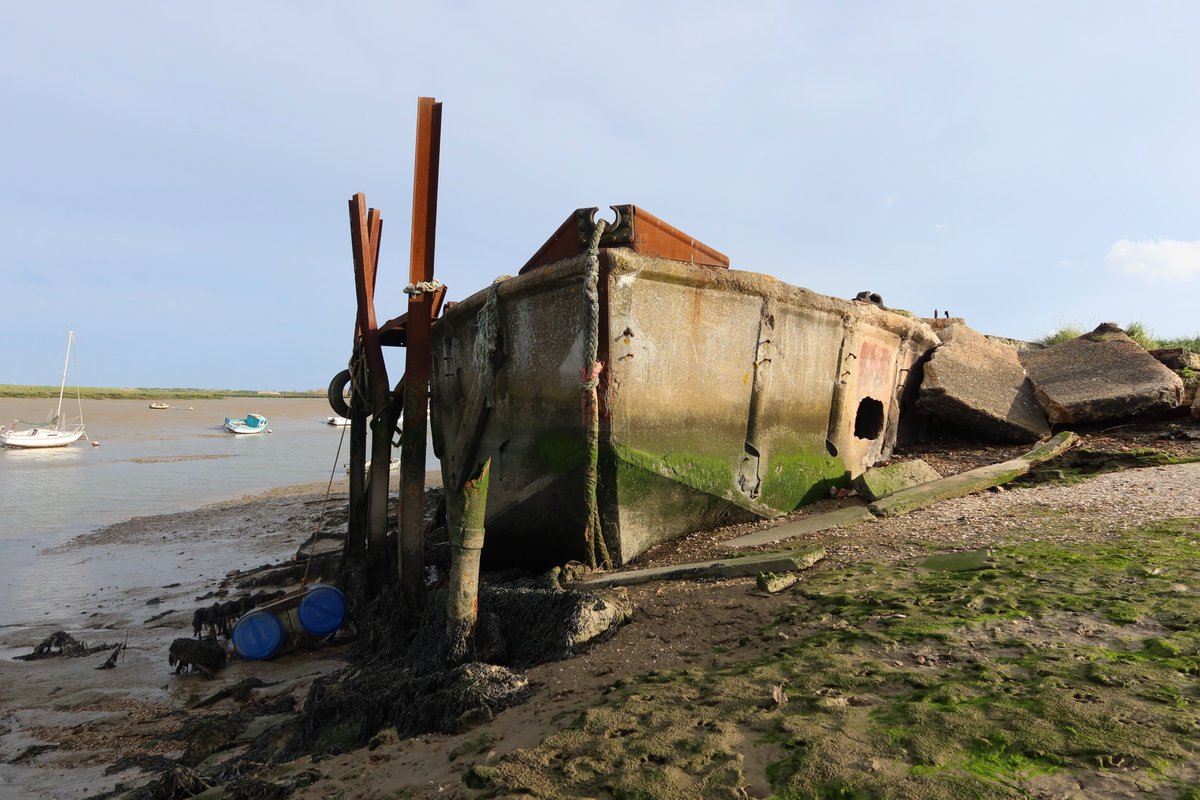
point(421, 293)
point(465, 511)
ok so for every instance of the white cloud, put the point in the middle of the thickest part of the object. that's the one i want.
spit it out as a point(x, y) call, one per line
point(940, 227)
point(890, 200)
point(1156, 259)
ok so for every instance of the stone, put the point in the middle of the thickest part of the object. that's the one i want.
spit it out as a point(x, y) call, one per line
point(1099, 376)
point(966, 561)
point(980, 384)
point(1196, 407)
point(773, 583)
point(879, 482)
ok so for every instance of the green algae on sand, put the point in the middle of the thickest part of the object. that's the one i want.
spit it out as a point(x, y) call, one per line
point(896, 680)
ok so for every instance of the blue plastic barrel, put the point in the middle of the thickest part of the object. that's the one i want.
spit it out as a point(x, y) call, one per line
point(322, 611)
point(258, 635)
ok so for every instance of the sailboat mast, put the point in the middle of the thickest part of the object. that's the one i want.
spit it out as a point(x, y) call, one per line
point(62, 386)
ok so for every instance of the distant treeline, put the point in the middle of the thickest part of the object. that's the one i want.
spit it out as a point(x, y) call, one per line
point(100, 393)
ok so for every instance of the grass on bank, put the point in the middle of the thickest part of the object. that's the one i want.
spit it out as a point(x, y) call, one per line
point(1137, 331)
point(101, 393)
point(1052, 664)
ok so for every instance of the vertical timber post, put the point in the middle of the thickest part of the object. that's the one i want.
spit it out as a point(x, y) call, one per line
point(417, 355)
point(465, 513)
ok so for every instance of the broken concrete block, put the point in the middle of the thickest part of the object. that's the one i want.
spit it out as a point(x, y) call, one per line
point(1100, 375)
point(1177, 358)
point(774, 583)
point(1191, 386)
point(981, 385)
point(879, 482)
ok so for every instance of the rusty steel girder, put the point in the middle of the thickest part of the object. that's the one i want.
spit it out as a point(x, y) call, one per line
point(638, 230)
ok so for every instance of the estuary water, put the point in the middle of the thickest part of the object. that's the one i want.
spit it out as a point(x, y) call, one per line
point(149, 462)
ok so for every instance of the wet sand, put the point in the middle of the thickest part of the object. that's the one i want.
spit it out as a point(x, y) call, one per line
point(63, 721)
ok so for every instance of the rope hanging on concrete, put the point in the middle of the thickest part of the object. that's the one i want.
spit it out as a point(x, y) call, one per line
point(593, 536)
point(487, 331)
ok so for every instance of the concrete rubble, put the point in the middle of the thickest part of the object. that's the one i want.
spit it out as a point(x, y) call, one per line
point(1177, 358)
point(1008, 390)
point(879, 482)
point(980, 384)
point(1099, 376)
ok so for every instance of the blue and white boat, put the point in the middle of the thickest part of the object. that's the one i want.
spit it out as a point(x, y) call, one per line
point(253, 423)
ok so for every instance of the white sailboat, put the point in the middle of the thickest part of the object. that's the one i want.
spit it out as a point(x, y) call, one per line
point(54, 432)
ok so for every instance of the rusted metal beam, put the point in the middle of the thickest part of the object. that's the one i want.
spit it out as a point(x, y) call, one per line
point(369, 493)
point(394, 332)
point(417, 353)
point(634, 228)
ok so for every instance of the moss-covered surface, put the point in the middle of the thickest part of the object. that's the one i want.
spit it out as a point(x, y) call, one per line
point(1040, 666)
point(790, 481)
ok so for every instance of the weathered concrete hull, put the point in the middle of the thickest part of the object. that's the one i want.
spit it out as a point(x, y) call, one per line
point(726, 396)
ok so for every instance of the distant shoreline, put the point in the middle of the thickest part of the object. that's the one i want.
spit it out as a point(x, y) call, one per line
point(141, 393)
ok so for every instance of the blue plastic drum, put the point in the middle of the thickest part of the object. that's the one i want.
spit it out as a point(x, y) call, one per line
point(258, 635)
point(322, 611)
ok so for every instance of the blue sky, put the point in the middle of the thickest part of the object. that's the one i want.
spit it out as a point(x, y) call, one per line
point(174, 177)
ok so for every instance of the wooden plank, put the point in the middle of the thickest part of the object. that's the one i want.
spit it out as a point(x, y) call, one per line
point(971, 481)
point(800, 559)
point(839, 518)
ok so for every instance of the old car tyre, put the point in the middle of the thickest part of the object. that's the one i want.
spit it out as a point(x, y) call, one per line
point(336, 393)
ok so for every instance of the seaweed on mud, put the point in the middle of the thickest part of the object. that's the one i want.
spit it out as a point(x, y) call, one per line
point(61, 644)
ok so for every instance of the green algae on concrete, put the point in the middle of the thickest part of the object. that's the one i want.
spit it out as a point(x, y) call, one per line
point(1056, 664)
point(797, 478)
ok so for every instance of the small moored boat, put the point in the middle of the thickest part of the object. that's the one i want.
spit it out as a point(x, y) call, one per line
point(393, 465)
point(55, 432)
point(339, 421)
point(159, 406)
point(252, 423)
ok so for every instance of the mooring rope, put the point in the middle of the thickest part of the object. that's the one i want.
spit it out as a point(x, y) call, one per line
point(422, 287)
point(321, 516)
point(589, 378)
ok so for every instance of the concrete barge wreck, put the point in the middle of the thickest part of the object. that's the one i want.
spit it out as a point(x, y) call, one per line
point(722, 395)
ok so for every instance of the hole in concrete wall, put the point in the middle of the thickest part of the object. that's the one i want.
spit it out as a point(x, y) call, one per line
point(868, 422)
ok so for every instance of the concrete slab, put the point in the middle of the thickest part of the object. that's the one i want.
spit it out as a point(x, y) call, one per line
point(980, 384)
point(802, 558)
point(841, 518)
point(1098, 376)
point(879, 482)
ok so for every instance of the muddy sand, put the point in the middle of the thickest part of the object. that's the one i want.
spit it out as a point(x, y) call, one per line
point(712, 690)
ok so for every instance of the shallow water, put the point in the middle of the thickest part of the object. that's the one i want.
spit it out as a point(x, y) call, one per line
point(148, 462)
